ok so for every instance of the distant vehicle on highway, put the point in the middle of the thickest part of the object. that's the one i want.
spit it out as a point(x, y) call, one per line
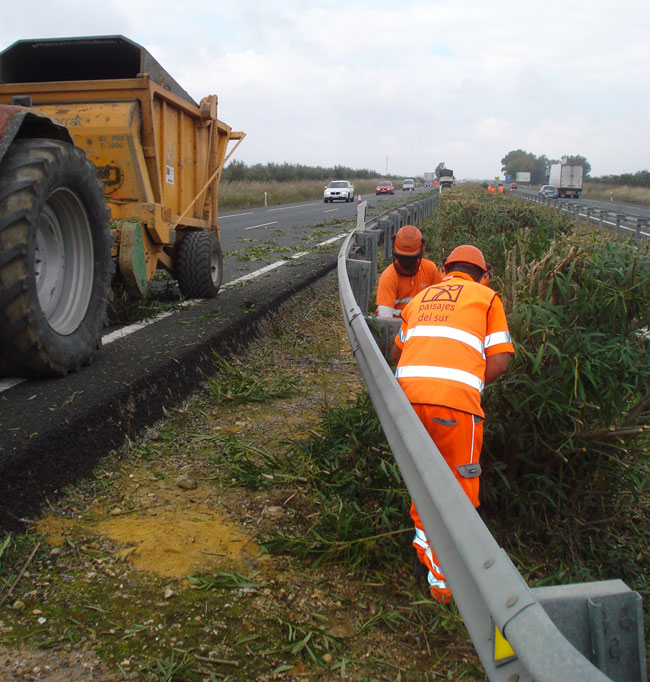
point(339, 190)
point(549, 191)
point(513, 185)
point(408, 184)
point(446, 178)
point(567, 178)
point(385, 187)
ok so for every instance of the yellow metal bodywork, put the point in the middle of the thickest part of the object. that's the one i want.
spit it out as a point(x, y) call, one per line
point(159, 156)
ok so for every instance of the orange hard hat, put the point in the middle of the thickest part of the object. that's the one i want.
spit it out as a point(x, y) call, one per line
point(408, 241)
point(467, 254)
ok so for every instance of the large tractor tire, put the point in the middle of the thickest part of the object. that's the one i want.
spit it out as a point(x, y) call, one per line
point(55, 259)
point(199, 265)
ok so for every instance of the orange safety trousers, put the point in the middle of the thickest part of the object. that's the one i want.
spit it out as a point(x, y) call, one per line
point(459, 437)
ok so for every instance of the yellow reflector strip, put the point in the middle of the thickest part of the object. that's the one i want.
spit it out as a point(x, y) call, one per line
point(502, 648)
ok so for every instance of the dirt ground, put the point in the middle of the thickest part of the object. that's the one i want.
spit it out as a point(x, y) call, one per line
point(115, 555)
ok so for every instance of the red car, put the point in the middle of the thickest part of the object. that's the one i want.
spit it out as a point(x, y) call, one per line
point(385, 187)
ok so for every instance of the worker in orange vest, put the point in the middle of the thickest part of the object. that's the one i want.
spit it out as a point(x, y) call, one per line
point(453, 341)
point(500, 189)
point(408, 274)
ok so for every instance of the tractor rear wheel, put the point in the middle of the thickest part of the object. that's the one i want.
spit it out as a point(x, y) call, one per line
point(55, 259)
point(199, 265)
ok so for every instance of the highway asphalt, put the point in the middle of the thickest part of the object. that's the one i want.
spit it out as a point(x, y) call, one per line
point(54, 431)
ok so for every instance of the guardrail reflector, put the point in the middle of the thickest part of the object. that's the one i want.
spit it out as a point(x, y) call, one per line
point(503, 652)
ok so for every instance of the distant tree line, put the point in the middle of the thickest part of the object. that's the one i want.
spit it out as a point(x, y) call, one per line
point(519, 161)
point(238, 171)
point(638, 179)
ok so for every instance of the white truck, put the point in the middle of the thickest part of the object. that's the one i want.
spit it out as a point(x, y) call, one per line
point(567, 179)
point(429, 177)
point(446, 178)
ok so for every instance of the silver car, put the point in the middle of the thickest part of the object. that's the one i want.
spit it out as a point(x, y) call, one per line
point(341, 190)
point(549, 191)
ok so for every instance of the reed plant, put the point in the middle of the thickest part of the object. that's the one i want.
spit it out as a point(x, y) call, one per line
point(568, 430)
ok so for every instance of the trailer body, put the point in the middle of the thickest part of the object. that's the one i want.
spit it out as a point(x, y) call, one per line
point(567, 179)
point(446, 178)
point(158, 154)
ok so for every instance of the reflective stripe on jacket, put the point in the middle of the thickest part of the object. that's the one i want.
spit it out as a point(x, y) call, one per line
point(446, 334)
point(394, 291)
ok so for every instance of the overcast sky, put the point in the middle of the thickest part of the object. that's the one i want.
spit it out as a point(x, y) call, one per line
point(394, 86)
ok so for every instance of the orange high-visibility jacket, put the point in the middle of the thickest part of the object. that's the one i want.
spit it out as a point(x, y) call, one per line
point(394, 291)
point(446, 334)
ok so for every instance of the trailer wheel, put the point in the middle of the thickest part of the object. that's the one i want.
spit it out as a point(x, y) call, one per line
point(55, 259)
point(199, 265)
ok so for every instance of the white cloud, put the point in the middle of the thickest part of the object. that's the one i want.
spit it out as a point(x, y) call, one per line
point(326, 82)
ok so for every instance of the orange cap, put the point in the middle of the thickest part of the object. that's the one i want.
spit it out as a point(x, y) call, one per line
point(408, 241)
point(467, 254)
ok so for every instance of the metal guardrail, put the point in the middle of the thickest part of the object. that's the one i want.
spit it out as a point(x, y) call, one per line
point(627, 224)
point(592, 631)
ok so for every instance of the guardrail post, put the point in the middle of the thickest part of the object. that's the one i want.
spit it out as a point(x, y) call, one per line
point(368, 241)
point(620, 219)
point(404, 215)
point(603, 620)
point(416, 212)
point(360, 278)
point(387, 328)
point(386, 227)
point(640, 222)
point(600, 218)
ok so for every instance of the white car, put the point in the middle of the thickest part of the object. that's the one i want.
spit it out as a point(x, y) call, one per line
point(408, 184)
point(339, 189)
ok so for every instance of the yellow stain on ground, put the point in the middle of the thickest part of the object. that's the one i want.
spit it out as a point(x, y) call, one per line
point(176, 542)
point(180, 542)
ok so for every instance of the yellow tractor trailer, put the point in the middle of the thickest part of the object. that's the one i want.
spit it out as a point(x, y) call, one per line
point(107, 168)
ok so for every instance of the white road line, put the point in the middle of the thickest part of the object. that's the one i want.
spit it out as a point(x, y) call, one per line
point(332, 240)
point(252, 227)
point(330, 210)
point(286, 208)
point(235, 215)
point(6, 384)
point(254, 275)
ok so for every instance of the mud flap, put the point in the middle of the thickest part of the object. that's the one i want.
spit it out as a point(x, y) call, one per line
point(132, 261)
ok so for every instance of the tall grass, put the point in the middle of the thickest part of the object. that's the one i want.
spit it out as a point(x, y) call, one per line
point(243, 194)
point(617, 193)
